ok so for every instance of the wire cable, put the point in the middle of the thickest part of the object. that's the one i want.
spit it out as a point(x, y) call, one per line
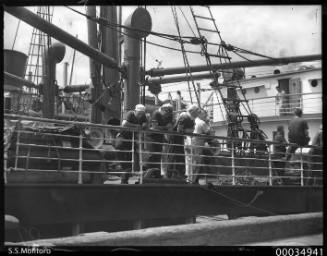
point(186, 63)
point(240, 55)
point(237, 202)
point(102, 20)
point(114, 27)
point(187, 22)
point(253, 53)
point(12, 48)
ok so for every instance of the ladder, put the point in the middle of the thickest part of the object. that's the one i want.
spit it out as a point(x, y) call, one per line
point(39, 42)
point(232, 102)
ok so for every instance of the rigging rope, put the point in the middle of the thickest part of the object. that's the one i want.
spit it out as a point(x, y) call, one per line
point(163, 35)
point(106, 22)
point(12, 48)
point(186, 63)
point(114, 26)
point(250, 52)
point(240, 55)
point(172, 37)
point(189, 25)
point(237, 202)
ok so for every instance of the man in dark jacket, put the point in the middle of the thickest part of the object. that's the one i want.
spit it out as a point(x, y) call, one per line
point(136, 119)
point(279, 150)
point(297, 132)
point(161, 120)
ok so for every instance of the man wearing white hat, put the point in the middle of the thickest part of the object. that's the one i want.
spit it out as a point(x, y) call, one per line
point(182, 145)
point(134, 118)
point(161, 120)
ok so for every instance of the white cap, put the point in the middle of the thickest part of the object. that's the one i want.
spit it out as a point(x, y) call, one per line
point(167, 106)
point(192, 108)
point(140, 107)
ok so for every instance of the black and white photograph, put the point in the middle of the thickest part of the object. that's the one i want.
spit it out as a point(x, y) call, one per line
point(131, 127)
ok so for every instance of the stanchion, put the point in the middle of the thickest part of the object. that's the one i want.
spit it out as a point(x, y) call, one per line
point(133, 150)
point(140, 157)
point(80, 162)
point(302, 183)
point(270, 167)
point(5, 165)
point(233, 163)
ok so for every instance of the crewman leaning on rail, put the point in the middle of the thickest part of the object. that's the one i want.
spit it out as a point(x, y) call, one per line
point(201, 127)
point(181, 150)
point(161, 120)
point(298, 133)
point(137, 119)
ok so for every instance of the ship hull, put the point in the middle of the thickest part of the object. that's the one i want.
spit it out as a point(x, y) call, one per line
point(63, 204)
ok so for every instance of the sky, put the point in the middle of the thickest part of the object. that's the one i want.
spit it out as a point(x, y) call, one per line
point(276, 31)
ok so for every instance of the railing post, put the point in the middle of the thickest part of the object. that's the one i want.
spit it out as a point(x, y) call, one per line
point(17, 147)
point(80, 160)
point(270, 167)
point(140, 157)
point(233, 163)
point(302, 182)
point(5, 165)
point(133, 150)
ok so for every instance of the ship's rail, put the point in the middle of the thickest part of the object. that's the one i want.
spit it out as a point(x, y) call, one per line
point(271, 106)
point(29, 101)
point(38, 149)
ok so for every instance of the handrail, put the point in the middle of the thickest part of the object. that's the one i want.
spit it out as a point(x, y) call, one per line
point(137, 130)
point(225, 159)
point(273, 97)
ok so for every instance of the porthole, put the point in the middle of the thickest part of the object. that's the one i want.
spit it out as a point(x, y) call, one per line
point(314, 82)
point(256, 89)
point(244, 91)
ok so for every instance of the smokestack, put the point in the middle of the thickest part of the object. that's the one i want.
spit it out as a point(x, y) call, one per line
point(14, 65)
point(140, 19)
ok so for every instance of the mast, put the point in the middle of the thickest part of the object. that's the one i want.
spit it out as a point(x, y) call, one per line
point(109, 46)
point(95, 68)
